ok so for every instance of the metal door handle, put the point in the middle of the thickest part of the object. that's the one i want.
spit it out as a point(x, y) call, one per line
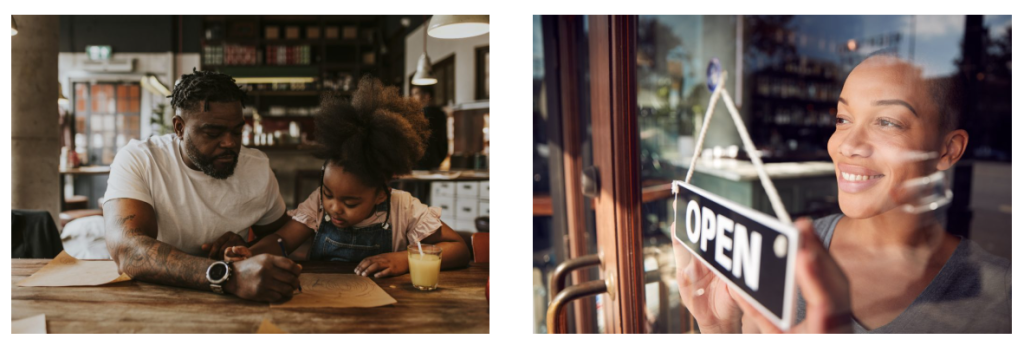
point(560, 296)
point(558, 276)
point(557, 305)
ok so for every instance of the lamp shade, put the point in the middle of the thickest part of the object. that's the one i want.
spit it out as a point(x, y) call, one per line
point(158, 86)
point(458, 26)
point(14, 26)
point(423, 76)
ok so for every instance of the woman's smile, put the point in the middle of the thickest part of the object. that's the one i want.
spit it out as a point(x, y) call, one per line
point(855, 179)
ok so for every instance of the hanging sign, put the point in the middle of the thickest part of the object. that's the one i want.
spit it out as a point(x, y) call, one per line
point(753, 252)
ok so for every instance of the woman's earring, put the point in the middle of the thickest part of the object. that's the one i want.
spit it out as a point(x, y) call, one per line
point(327, 217)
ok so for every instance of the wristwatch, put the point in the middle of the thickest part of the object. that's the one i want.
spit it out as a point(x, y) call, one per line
point(218, 273)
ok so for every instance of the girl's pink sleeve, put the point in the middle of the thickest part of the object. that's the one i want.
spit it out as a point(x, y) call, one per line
point(417, 219)
point(308, 211)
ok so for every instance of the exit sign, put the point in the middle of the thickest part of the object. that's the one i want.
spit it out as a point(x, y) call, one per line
point(98, 52)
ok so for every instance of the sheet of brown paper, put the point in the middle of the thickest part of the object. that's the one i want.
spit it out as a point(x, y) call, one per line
point(65, 270)
point(337, 291)
point(266, 327)
point(31, 325)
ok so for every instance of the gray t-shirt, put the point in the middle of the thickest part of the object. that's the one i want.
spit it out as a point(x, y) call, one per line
point(970, 294)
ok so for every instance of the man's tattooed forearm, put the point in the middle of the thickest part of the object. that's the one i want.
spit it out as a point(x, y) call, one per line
point(146, 259)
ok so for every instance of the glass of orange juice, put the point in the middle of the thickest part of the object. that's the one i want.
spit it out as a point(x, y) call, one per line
point(424, 265)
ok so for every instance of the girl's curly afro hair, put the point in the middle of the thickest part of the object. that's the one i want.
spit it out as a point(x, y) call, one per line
point(376, 136)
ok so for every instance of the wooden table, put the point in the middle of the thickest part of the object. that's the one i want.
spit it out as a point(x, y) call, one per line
point(457, 306)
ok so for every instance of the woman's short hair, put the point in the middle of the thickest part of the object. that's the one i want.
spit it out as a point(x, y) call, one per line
point(946, 92)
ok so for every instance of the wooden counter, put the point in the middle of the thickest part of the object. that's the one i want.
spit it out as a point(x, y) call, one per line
point(457, 306)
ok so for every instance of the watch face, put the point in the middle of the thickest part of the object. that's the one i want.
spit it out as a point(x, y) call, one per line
point(217, 272)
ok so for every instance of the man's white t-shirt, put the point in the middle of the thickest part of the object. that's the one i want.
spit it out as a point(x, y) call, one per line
point(193, 208)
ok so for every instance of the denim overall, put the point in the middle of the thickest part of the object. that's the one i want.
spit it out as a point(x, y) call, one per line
point(351, 244)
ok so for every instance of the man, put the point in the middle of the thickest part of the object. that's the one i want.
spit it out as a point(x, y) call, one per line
point(170, 198)
point(437, 145)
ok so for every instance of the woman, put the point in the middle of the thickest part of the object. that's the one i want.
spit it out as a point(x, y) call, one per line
point(885, 264)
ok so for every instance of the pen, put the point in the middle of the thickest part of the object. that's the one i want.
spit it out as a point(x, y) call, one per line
point(284, 252)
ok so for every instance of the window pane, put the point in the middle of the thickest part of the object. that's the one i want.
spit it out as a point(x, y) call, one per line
point(80, 97)
point(672, 95)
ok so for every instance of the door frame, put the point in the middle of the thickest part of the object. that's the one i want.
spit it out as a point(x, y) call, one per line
point(616, 153)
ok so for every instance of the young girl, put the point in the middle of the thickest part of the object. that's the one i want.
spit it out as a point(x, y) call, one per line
point(354, 215)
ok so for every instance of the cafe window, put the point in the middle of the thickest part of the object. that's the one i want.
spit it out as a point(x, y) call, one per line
point(106, 117)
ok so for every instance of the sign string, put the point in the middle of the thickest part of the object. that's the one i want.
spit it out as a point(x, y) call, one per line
point(748, 145)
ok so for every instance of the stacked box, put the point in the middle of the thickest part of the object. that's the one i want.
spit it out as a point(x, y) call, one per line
point(291, 32)
point(349, 32)
point(239, 54)
point(273, 32)
point(288, 55)
point(213, 55)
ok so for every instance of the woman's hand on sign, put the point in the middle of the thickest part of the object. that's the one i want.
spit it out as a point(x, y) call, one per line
point(823, 285)
point(705, 295)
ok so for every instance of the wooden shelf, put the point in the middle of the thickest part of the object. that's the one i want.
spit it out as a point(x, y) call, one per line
point(652, 192)
point(281, 148)
point(342, 66)
point(350, 52)
point(298, 41)
point(285, 117)
point(285, 93)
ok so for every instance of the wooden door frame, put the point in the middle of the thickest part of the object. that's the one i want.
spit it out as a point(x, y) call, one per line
point(616, 156)
point(552, 81)
point(569, 28)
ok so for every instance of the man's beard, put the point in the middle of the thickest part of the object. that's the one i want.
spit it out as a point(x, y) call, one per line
point(206, 164)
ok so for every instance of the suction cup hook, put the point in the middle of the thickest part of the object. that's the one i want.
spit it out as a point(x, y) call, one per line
point(714, 73)
point(929, 193)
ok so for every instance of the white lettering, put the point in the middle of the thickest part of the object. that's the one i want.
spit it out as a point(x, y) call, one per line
point(707, 229)
point(747, 255)
point(692, 231)
point(723, 242)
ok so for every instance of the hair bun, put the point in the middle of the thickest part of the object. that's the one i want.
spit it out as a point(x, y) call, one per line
point(377, 135)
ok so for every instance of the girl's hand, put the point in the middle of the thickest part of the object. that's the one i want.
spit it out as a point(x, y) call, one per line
point(823, 285)
point(705, 295)
point(384, 265)
point(226, 240)
point(236, 253)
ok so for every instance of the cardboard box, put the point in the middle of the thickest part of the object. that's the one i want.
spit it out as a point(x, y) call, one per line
point(312, 32)
point(272, 32)
point(350, 32)
point(291, 32)
point(331, 32)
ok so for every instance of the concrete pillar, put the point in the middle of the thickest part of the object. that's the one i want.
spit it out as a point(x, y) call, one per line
point(35, 147)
